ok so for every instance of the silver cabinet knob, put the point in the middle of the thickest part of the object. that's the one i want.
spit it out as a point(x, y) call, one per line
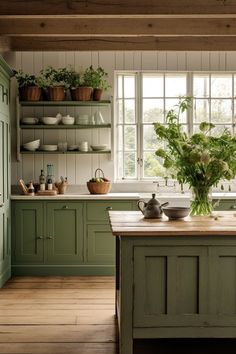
point(108, 208)
point(40, 238)
point(65, 207)
point(49, 237)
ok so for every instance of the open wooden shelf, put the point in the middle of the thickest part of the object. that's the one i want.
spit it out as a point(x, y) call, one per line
point(64, 103)
point(61, 126)
point(65, 152)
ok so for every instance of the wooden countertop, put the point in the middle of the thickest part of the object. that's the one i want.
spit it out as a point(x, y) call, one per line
point(132, 223)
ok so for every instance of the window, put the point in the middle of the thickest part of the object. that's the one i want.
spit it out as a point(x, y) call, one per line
point(144, 97)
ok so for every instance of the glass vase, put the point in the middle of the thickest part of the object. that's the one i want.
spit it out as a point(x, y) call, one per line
point(201, 203)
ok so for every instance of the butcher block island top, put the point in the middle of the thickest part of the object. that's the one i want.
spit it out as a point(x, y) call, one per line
point(132, 223)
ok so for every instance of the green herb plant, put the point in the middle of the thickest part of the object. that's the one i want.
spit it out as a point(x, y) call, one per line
point(26, 80)
point(200, 160)
point(52, 77)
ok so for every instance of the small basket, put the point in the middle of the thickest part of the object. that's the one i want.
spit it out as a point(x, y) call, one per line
point(99, 187)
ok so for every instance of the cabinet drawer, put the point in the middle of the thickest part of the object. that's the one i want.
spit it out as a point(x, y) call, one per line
point(97, 211)
point(226, 205)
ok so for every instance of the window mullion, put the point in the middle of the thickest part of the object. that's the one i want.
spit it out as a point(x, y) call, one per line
point(139, 125)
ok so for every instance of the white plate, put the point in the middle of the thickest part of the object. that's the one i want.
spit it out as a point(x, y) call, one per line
point(99, 147)
point(48, 147)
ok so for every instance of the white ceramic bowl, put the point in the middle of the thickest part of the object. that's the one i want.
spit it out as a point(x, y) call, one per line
point(32, 145)
point(29, 120)
point(99, 147)
point(48, 147)
point(68, 120)
point(49, 120)
point(73, 147)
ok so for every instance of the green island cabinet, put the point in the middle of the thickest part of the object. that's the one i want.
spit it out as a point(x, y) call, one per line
point(5, 244)
point(64, 238)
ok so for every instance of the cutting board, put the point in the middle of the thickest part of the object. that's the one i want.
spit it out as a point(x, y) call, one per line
point(45, 193)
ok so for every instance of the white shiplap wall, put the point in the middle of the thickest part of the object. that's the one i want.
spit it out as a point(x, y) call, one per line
point(79, 168)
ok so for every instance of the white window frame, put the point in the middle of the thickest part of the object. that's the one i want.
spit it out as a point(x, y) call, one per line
point(138, 111)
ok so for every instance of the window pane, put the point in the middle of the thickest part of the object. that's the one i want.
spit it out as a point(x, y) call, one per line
point(152, 166)
point(129, 111)
point(218, 130)
point(130, 165)
point(149, 138)
point(153, 85)
point(130, 137)
point(120, 138)
point(221, 86)
point(201, 85)
point(120, 87)
point(221, 111)
point(175, 85)
point(200, 111)
point(153, 110)
point(170, 104)
point(129, 86)
point(120, 171)
point(120, 111)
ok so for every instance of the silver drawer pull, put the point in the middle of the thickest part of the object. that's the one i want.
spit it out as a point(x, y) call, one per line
point(40, 238)
point(233, 206)
point(108, 208)
point(49, 237)
point(65, 207)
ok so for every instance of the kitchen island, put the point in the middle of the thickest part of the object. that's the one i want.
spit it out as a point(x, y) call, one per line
point(174, 279)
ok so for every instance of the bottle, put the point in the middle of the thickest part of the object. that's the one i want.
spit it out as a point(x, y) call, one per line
point(50, 175)
point(42, 181)
point(31, 189)
point(50, 184)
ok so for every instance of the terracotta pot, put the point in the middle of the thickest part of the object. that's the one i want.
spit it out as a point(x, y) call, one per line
point(97, 94)
point(56, 93)
point(30, 93)
point(81, 94)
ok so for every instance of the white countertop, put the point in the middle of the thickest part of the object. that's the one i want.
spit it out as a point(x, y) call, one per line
point(174, 197)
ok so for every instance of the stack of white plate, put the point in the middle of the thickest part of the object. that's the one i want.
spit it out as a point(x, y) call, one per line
point(29, 120)
point(99, 147)
point(48, 147)
point(83, 119)
point(32, 145)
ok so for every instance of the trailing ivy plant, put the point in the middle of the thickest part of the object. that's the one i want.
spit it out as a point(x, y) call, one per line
point(200, 160)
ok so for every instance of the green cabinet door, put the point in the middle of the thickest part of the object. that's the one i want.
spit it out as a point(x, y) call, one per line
point(27, 233)
point(64, 236)
point(5, 264)
point(100, 244)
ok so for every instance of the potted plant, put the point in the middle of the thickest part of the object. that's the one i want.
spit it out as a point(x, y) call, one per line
point(80, 85)
point(55, 82)
point(29, 86)
point(98, 80)
point(200, 160)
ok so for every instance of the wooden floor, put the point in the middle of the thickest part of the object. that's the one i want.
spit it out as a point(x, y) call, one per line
point(75, 315)
point(58, 315)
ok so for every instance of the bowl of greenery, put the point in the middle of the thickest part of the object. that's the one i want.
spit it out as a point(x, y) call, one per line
point(200, 160)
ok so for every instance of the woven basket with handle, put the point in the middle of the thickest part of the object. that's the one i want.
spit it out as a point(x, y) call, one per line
point(99, 187)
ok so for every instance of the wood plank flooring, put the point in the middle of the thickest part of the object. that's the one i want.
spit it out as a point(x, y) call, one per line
point(75, 315)
point(58, 315)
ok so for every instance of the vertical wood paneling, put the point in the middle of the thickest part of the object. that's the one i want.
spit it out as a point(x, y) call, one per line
point(77, 168)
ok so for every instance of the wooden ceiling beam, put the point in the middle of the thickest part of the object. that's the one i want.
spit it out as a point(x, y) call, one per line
point(123, 43)
point(117, 7)
point(118, 27)
point(5, 44)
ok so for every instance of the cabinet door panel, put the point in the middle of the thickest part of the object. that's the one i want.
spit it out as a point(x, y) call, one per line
point(4, 94)
point(100, 244)
point(170, 286)
point(64, 233)
point(28, 236)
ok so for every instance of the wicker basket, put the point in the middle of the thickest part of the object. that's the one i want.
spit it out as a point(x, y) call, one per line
point(82, 93)
point(99, 187)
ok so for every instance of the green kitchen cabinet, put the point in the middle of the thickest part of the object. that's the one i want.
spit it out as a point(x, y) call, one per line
point(28, 226)
point(64, 234)
point(64, 238)
point(5, 245)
